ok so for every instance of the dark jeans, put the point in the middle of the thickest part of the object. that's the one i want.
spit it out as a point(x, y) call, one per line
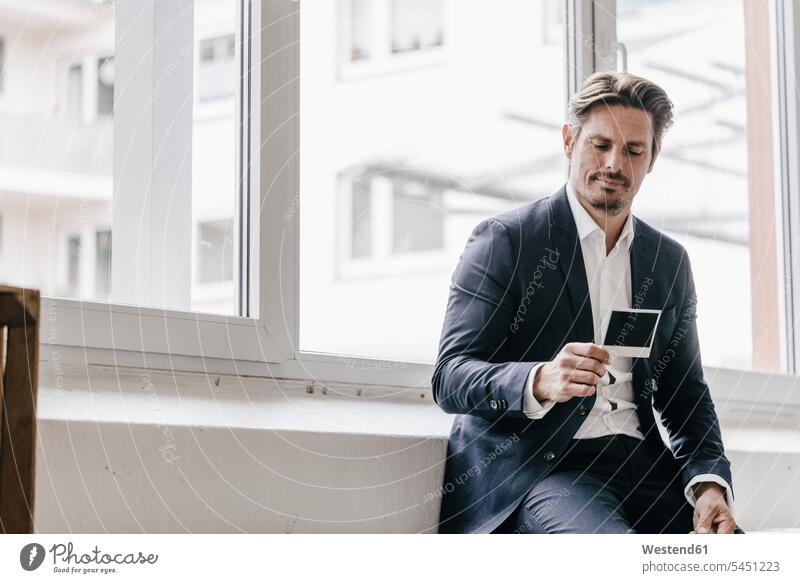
point(612, 484)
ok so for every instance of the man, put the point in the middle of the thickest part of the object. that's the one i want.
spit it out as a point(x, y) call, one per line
point(552, 433)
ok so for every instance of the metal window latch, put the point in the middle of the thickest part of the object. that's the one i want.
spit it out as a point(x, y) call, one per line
point(622, 57)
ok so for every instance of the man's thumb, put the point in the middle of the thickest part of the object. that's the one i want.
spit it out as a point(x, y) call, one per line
point(703, 523)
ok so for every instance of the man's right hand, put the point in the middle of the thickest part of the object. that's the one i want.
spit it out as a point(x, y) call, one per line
point(575, 371)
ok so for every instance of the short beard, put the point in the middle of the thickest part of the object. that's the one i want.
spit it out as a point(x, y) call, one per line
point(611, 207)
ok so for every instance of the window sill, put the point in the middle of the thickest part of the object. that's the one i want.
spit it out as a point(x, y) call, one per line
point(745, 395)
point(758, 411)
point(105, 394)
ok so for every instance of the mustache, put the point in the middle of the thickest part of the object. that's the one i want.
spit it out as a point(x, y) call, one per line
point(613, 177)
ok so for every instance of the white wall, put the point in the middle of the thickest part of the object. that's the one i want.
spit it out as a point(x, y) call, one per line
point(131, 450)
point(153, 452)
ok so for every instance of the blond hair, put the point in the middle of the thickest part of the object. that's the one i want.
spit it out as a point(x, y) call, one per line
point(609, 88)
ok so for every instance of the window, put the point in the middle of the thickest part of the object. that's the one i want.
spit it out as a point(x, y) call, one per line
point(360, 30)
point(417, 217)
point(105, 86)
point(2, 64)
point(56, 152)
point(396, 170)
point(214, 256)
point(416, 25)
point(267, 204)
point(64, 163)
point(85, 165)
point(360, 219)
point(216, 171)
point(217, 67)
point(392, 215)
point(74, 97)
point(701, 189)
point(376, 35)
point(73, 275)
point(102, 255)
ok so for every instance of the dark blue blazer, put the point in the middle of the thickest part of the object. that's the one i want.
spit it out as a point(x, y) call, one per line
point(518, 295)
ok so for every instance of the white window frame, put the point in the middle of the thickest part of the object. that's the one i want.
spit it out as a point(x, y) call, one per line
point(154, 54)
point(785, 19)
point(267, 345)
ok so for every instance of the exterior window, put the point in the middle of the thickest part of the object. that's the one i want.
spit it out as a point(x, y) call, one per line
point(74, 105)
point(360, 27)
point(63, 165)
point(217, 68)
point(214, 257)
point(73, 278)
point(392, 171)
point(105, 86)
point(394, 216)
point(361, 218)
point(417, 218)
point(376, 33)
point(416, 25)
point(397, 169)
point(102, 263)
point(2, 64)
point(705, 161)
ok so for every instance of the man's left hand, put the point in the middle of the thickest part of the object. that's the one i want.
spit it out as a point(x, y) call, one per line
point(711, 512)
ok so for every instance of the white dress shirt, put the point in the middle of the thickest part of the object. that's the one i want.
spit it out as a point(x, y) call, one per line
point(609, 279)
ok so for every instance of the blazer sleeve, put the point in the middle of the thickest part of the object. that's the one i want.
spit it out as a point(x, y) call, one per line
point(480, 311)
point(682, 396)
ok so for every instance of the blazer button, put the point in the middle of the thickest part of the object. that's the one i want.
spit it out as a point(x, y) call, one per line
point(582, 411)
point(493, 404)
point(549, 456)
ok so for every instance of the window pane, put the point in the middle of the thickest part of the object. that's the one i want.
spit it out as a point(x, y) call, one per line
point(360, 29)
point(2, 61)
point(416, 24)
point(698, 190)
point(214, 169)
point(105, 86)
point(214, 257)
point(216, 73)
point(56, 153)
point(399, 164)
point(418, 217)
point(56, 145)
point(103, 255)
point(362, 218)
point(73, 264)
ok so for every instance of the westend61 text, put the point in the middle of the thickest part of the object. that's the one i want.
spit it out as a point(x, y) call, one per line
point(675, 550)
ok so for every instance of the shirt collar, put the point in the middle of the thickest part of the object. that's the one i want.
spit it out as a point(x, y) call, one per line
point(586, 225)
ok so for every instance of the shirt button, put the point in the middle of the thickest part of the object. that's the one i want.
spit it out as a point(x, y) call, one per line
point(549, 456)
point(493, 404)
point(582, 411)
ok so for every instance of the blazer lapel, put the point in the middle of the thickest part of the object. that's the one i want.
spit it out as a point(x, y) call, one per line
point(646, 293)
point(564, 235)
point(644, 289)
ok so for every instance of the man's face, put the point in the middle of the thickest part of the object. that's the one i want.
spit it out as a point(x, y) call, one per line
point(611, 156)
